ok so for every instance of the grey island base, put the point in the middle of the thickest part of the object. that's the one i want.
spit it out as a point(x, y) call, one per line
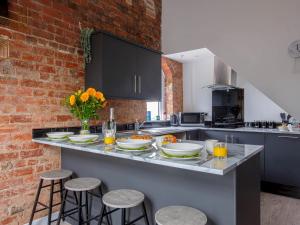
point(227, 198)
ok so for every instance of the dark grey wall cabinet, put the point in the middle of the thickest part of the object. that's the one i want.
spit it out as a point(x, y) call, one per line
point(123, 70)
point(282, 160)
point(239, 138)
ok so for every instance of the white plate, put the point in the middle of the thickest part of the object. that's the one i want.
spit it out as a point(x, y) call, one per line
point(161, 154)
point(84, 137)
point(59, 135)
point(182, 149)
point(133, 143)
point(58, 139)
point(130, 150)
point(84, 143)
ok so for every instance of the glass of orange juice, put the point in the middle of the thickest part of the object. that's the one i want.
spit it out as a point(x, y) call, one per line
point(220, 150)
point(109, 133)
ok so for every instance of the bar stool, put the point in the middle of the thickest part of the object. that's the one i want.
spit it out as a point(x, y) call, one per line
point(123, 199)
point(80, 186)
point(51, 176)
point(179, 215)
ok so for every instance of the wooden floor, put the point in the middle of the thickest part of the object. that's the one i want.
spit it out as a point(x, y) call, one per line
point(279, 210)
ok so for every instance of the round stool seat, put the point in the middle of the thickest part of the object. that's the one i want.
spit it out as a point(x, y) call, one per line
point(82, 184)
point(179, 215)
point(56, 174)
point(123, 198)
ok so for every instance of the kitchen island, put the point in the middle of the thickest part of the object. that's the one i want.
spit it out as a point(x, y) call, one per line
point(227, 191)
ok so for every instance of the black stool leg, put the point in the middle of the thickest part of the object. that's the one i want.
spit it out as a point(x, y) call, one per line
point(123, 217)
point(79, 208)
point(145, 214)
point(101, 214)
point(51, 202)
point(108, 218)
point(87, 213)
point(61, 196)
point(62, 208)
point(36, 201)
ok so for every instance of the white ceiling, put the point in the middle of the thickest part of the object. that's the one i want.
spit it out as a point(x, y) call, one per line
point(190, 56)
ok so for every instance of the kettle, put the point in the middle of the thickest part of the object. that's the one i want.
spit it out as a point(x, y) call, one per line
point(174, 120)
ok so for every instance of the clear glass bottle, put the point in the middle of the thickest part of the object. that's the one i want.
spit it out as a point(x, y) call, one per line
point(109, 129)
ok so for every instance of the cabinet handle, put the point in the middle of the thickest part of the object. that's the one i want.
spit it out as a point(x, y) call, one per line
point(140, 84)
point(292, 137)
point(135, 83)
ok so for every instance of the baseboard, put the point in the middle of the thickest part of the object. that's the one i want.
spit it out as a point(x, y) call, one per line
point(44, 220)
point(279, 189)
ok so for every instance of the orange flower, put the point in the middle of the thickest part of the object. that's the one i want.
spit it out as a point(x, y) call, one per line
point(72, 100)
point(98, 95)
point(91, 91)
point(84, 97)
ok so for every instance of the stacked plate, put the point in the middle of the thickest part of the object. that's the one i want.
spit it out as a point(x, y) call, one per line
point(59, 136)
point(84, 139)
point(133, 145)
point(181, 151)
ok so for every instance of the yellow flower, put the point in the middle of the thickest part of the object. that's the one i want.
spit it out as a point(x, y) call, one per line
point(102, 99)
point(91, 91)
point(98, 95)
point(79, 92)
point(84, 97)
point(72, 100)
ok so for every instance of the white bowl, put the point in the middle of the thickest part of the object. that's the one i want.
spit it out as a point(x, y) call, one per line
point(182, 149)
point(84, 138)
point(133, 143)
point(59, 135)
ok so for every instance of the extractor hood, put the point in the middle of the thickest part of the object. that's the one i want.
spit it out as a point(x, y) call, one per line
point(224, 77)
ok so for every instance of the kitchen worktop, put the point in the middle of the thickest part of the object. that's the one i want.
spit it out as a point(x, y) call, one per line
point(206, 164)
point(178, 129)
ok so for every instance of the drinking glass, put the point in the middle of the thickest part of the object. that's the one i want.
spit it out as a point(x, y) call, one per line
point(109, 132)
point(220, 151)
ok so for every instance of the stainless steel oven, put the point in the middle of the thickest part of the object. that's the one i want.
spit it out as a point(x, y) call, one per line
point(192, 118)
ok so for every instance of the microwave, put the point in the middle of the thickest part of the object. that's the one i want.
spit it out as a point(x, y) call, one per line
point(192, 119)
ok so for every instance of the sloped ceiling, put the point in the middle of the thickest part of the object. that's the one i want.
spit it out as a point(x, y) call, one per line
point(251, 36)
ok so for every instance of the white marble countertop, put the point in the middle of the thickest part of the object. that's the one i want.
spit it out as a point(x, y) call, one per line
point(206, 164)
point(178, 129)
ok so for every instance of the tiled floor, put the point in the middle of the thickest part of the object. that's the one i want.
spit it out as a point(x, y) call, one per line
point(279, 210)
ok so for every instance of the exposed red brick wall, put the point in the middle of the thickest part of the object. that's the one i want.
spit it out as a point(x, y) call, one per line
point(45, 65)
point(173, 85)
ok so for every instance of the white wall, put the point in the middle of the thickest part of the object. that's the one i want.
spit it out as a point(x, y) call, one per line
point(198, 74)
point(251, 36)
point(257, 105)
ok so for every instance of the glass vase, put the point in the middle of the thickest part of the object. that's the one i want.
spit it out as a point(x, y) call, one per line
point(85, 126)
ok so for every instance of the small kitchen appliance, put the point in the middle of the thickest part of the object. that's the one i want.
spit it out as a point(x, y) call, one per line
point(190, 119)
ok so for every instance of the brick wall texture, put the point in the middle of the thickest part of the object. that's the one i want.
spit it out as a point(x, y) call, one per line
point(45, 64)
point(173, 85)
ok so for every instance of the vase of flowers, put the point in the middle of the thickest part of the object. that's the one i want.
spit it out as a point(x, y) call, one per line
point(84, 106)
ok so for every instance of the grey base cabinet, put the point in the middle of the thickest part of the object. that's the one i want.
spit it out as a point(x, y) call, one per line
point(239, 138)
point(282, 162)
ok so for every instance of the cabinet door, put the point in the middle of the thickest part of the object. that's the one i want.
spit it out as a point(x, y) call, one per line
point(192, 135)
point(239, 138)
point(119, 78)
point(283, 159)
point(148, 74)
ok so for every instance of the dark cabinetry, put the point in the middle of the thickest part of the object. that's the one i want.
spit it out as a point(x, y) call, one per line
point(282, 160)
point(239, 138)
point(123, 70)
point(192, 135)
